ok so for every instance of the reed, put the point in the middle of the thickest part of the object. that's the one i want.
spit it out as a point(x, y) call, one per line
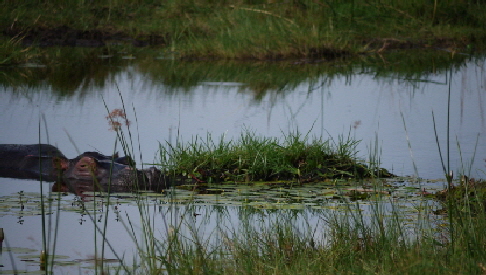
point(376, 236)
point(346, 242)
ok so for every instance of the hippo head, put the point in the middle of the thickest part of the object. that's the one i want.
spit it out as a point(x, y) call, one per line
point(85, 168)
point(92, 165)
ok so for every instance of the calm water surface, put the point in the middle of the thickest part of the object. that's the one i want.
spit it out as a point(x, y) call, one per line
point(388, 110)
point(394, 112)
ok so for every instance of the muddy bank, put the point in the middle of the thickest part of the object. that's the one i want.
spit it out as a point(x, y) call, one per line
point(43, 36)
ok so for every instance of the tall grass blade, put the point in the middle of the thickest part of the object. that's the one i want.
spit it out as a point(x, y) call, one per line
point(415, 169)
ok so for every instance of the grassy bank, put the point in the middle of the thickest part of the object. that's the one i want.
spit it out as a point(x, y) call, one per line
point(203, 29)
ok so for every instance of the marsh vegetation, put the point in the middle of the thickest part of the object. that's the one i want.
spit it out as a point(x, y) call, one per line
point(305, 197)
point(257, 30)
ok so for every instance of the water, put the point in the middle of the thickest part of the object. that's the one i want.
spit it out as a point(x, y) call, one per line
point(213, 220)
point(169, 102)
point(365, 106)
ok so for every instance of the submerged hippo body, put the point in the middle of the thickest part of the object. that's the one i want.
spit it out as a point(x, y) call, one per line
point(31, 161)
point(103, 170)
point(46, 162)
point(100, 172)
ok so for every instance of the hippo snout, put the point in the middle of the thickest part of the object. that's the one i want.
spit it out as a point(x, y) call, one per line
point(85, 168)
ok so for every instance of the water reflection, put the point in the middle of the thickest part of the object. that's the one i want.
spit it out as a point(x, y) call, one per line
point(389, 106)
point(213, 222)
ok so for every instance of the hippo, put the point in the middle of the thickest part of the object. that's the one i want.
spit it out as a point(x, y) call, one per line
point(32, 161)
point(92, 171)
point(113, 171)
point(46, 162)
point(93, 165)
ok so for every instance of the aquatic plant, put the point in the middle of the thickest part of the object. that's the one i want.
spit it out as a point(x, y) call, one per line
point(251, 158)
point(372, 236)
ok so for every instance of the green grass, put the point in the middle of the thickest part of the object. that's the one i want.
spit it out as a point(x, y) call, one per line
point(386, 238)
point(263, 29)
point(283, 242)
point(251, 158)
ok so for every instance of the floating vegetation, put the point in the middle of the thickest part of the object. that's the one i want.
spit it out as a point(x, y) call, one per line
point(225, 194)
point(272, 217)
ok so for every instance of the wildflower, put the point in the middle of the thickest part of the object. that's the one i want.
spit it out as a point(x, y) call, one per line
point(117, 118)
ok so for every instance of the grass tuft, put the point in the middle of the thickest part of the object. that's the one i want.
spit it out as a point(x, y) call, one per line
point(252, 158)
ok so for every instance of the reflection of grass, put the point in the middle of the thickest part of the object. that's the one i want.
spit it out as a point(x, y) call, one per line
point(80, 72)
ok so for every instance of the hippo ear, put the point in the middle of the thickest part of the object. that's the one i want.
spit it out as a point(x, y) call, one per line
point(96, 161)
point(115, 155)
point(126, 160)
point(60, 163)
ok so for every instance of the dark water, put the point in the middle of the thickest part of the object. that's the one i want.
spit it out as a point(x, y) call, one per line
point(387, 104)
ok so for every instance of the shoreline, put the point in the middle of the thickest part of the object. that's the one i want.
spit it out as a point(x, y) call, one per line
point(243, 31)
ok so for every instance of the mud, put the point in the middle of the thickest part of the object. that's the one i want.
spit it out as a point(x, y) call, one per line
point(43, 36)
point(66, 36)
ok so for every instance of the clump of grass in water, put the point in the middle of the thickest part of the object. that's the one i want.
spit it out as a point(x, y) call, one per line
point(350, 243)
point(253, 158)
point(354, 243)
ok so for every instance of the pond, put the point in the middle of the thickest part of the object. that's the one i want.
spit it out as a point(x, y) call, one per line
point(389, 103)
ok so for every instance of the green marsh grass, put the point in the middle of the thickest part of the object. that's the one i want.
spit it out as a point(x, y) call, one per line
point(372, 236)
point(252, 158)
point(345, 241)
point(264, 29)
point(352, 240)
point(363, 237)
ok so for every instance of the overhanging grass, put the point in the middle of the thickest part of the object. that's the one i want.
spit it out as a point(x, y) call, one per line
point(80, 71)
